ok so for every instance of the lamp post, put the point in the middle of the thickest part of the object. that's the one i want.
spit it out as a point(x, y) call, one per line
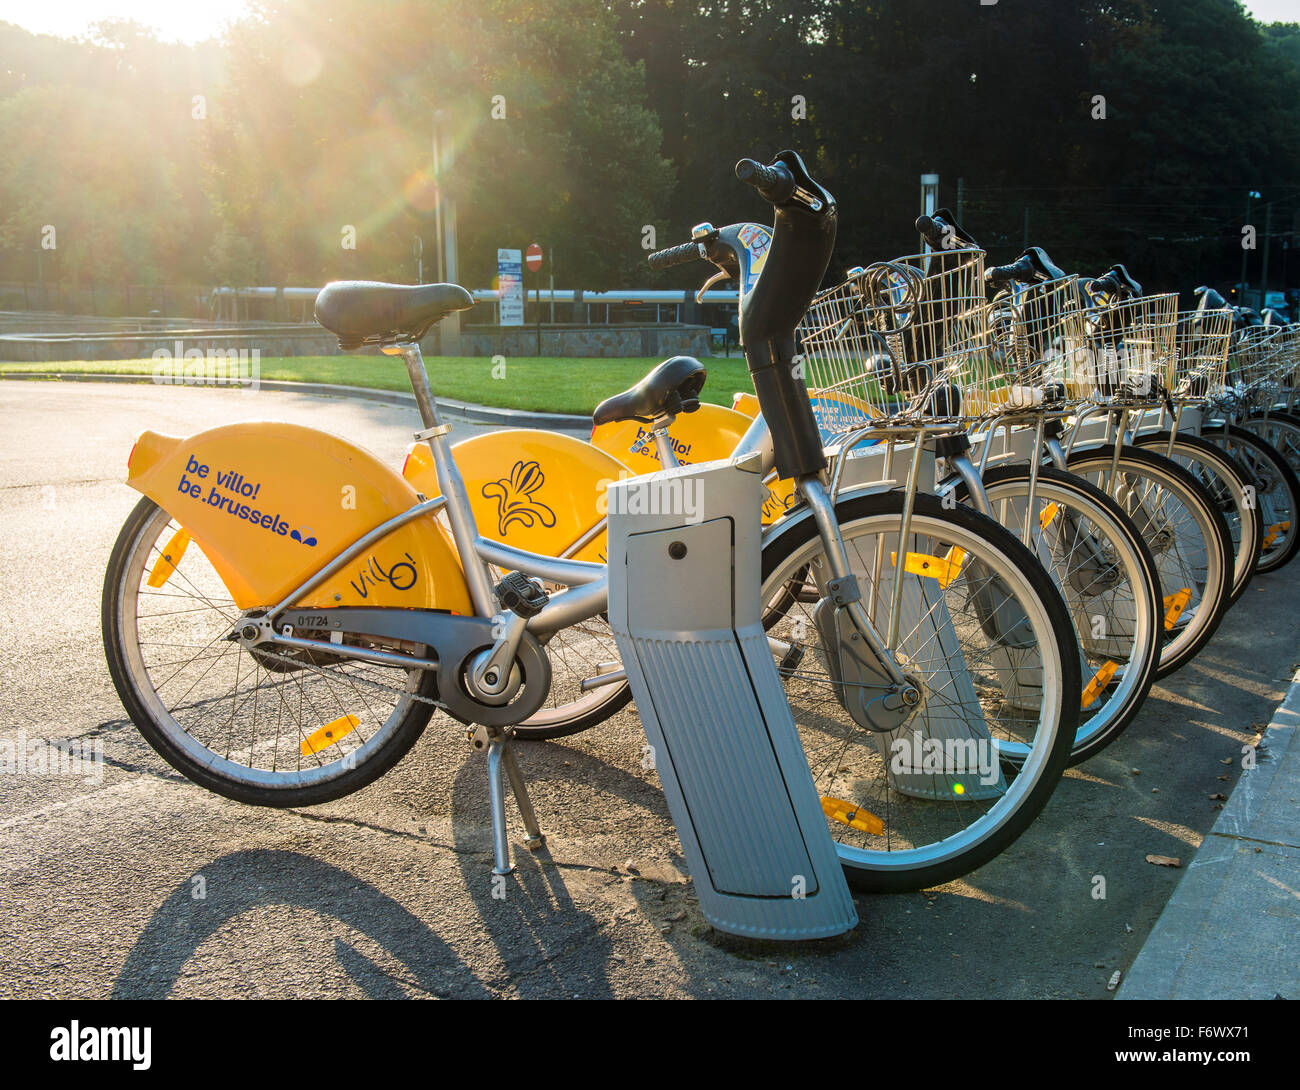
point(1252, 195)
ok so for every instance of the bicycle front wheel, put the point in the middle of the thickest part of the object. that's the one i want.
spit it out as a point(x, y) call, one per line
point(1109, 581)
point(1186, 534)
point(1266, 449)
point(1230, 485)
point(989, 641)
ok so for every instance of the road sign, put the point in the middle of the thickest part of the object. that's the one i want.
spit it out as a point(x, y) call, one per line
point(533, 256)
point(510, 286)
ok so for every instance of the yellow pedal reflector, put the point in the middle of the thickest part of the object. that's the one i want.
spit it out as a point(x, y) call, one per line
point(1046, 515)
point(1274, 531)
point(327, 735)
point(1174, 606)
point(1099, 682)
point(171, 556)
point(855, 817)
point(943, 568)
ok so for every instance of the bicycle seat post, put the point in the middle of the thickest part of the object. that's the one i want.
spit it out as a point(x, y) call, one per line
point(459, 513)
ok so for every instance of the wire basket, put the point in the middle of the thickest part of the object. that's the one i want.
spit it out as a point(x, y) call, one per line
point(1255, 351)
point(1287, 370)
point(899, 343)
point(1132, 348)
point(1038, 350)
point(1202, 341)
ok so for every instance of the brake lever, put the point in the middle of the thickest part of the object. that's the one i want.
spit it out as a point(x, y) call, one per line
point(720, 276)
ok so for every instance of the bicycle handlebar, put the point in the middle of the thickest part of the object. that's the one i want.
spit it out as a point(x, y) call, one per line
point(775, 184)
point(1031, 267)
point(1117, 280)
point(1021, 269)
point(674, 255)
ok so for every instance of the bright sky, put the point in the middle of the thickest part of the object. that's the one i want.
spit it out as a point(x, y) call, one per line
point(174, 20)
point(190, 21)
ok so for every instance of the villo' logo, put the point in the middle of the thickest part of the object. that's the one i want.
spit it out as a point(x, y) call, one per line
point(514, 496)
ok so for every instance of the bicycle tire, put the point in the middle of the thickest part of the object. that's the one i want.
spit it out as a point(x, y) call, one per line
point(1122, 702)
point(1202, 521)
point(1228, 483)
point(1279, 499)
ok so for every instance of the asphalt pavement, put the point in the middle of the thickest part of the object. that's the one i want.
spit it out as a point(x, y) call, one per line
point(137, 883)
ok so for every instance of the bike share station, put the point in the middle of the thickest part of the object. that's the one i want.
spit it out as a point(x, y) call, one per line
point(969, 632)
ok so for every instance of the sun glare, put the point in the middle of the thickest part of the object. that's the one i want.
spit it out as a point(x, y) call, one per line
point(170, 20)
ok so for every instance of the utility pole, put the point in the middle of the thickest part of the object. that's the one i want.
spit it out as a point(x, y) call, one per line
point(443, 160)
point(1241, 291)
point(1263, 272)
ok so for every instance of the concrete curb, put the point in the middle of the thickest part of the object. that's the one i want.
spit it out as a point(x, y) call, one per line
point(462, 410)
point(1231, 930)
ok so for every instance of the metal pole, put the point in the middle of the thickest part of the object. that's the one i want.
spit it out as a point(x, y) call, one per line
point(538, 289)
point(550, 256)
point(449, 327)
point(929, 198)
point(1241, 291)
point(437, 197)
point(1263, 272)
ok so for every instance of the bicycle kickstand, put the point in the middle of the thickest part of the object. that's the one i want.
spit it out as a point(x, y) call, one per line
point(501, 753)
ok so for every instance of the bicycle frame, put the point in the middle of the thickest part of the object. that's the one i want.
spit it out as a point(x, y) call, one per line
point(588, 595)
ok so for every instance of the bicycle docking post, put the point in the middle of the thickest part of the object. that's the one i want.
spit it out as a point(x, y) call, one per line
point(684, 574)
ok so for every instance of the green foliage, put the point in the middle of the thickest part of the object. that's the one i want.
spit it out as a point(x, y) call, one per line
point(320, 115)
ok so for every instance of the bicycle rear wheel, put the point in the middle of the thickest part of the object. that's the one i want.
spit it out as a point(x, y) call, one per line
point(260, 727)
point(991, 641)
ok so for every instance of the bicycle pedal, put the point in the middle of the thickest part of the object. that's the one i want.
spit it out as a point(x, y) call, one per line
point(521, 595)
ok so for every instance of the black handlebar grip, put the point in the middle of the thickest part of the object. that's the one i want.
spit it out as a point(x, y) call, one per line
point(674, 255)
point(1021, 269)
point(930, 230)
point(775, 183)
point(1109, 282)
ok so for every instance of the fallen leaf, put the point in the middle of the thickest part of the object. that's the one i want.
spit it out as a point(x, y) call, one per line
point(1226, 761)
point(1221, 797)
point(1113, 983)
point(1225, 776)
point(1165, 860)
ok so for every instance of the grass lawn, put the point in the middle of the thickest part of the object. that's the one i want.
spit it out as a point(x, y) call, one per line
point(542, 385)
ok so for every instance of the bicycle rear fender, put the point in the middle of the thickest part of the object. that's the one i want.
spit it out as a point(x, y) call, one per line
point(706, 435)
point(271, 503)
point(535, 490)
